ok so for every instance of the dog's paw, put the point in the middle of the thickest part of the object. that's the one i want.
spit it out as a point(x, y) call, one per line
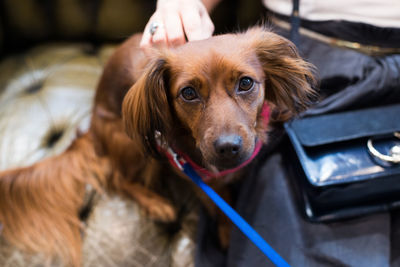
point(155, 206)
point(161, 211)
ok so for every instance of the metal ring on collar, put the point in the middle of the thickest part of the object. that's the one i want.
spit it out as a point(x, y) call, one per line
point(394, 156)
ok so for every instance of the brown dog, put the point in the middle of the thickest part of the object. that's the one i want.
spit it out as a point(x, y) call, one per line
point(205, 99)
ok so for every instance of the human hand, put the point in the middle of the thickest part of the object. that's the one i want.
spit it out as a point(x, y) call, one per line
point(177, 20)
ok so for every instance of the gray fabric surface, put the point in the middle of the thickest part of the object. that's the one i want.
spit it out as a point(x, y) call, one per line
point(357, 242)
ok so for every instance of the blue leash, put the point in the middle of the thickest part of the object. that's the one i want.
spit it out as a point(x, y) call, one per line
point(236, 218)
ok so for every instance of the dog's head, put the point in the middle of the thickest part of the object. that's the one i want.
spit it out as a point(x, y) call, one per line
point(213, 91)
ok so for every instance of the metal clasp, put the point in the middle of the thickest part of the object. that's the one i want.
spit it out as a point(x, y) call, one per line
point(394, 152)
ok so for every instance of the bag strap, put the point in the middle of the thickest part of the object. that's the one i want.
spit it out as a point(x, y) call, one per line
point(295, 23)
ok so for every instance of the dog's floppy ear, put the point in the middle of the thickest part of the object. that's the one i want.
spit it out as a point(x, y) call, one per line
point(145, 108)
point(289, 79)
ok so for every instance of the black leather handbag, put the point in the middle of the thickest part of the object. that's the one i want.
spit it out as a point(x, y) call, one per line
point(346, 164)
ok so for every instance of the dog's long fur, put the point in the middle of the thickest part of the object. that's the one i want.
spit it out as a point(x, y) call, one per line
point(39, 205)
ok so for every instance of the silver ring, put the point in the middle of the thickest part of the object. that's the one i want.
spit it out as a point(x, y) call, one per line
point(153, 27)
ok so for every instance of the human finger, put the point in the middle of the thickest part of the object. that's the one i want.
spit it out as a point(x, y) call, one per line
point(197, 23)
point(173, 27)
point(159, 37)
point(146, 41)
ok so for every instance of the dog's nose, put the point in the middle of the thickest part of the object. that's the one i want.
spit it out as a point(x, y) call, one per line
point(228, 146)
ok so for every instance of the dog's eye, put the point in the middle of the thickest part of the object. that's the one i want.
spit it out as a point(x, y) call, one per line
point(188, 93)
point(245, 84)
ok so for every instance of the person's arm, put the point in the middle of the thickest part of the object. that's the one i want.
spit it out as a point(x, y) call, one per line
point(177, 19)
